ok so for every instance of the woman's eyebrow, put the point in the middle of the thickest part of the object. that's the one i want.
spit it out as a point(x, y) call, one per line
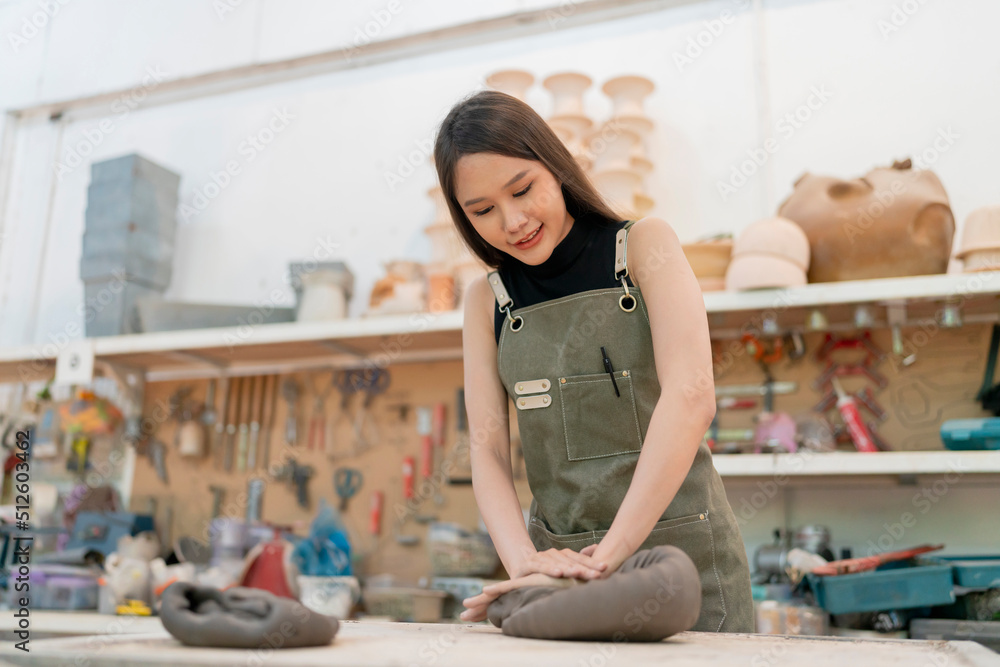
point(506, 185)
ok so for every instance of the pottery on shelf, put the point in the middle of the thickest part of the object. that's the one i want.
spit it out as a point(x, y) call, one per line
point(627, 94)
point(981, 231)
point(440, 292)
point(982, 260)
point(324, 296)
point(773, 252)
point(611, 147)
point(514, 82)
point(709, 259)
point(640, 164)
point(567, 90)
point(618, 187)
point(641, 125)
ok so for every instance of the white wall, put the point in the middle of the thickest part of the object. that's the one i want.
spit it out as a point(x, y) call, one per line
point(356, 114)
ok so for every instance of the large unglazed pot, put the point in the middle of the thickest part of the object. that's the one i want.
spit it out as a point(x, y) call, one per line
point(567, 90)
point(980, 245)
point(627, 94)
point(894, 221)
point(773, 252)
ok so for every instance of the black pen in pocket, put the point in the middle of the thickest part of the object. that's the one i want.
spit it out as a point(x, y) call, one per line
point(610, 370)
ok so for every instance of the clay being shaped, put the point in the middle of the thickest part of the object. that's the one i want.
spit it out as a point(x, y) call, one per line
point(894, 221)
point(241, 618)
point(662, 583)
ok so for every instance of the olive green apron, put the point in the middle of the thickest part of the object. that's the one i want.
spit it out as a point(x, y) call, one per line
point(581, 440)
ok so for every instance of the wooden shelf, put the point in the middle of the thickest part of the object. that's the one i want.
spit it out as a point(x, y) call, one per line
point(423, 337)
point(807, 464)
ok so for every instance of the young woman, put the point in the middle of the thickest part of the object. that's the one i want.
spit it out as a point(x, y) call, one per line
point(596, 329)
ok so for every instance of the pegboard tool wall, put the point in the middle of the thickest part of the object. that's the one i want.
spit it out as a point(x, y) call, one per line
point(941, 384)
point(187, 490)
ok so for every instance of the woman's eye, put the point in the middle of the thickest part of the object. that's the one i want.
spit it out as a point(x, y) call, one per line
point(482, 212)
point(523, 192)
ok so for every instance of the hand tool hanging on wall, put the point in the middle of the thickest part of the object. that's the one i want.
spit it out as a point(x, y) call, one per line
point(218, 442)
point(461, 459)
point(218, 493)
point(317, 424)
point(437, 435)
point(375, 381)
point(267, 423)
point(346, 482)
point(298, 476)
point(424, 429)
point(244, 427)
point(157, 454)
point(348, 383)
point(290, 391)
point(210, 415)
point(231, 424)
point(258, 417)
point(375, 513)
point(255, 499)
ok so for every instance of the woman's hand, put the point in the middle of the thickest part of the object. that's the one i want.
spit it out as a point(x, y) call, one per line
point(477, 606)
point(562, 563)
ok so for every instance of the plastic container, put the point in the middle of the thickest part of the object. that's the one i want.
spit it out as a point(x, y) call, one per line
point(456, 552)
point(417, 605)
point(62, 587)
point(890, 587)
point(331, 596)
point(964, 434)
point(978, 572)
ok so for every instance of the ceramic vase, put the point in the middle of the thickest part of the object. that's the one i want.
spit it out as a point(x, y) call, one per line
point(618, 187)
point(627, 94)
point(567, 90)
point(514, 82)
point(610, 147)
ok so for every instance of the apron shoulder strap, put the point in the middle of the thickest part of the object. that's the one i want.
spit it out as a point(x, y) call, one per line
point(621, 246)
point(500, 292)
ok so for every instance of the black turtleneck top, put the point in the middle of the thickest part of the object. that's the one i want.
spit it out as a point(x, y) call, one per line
point(584, 260)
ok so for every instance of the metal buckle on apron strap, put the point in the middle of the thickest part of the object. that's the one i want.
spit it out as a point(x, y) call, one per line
point(504, 301)
point(621, 269)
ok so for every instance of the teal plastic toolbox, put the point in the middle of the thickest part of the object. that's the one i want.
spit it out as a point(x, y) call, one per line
point(892, 586)
point(971, 433)
point(973, 571)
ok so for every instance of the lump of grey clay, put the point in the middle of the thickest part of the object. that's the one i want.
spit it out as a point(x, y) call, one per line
point(241, 618)
point(655, 593)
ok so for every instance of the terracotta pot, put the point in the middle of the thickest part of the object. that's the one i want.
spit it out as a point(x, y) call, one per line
point(627, 94)
point(567, 90)
point(709, 259)
point(440, 292)
point(642, 204)
point(712, 284)
point(981, 231)
point(618, 187)
point(611, 148)
point(514, 82)
point(893, 222)
point(987, 259)
point(774, 236)
point(747, 272)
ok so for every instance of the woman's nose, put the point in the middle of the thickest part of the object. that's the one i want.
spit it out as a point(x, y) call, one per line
point(515, 220)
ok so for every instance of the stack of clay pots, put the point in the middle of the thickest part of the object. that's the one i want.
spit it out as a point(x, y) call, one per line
point(624, 136)
point(773, 252)
point(981, 240)
point(709, 259)
point(452, 267)
point(612, 153)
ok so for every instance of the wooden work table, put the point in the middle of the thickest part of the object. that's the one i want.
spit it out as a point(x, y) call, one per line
point(378, 643)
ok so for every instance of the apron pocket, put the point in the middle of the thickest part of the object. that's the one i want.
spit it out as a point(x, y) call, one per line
point(543, 538)
point(693, 535)
point(596, 422)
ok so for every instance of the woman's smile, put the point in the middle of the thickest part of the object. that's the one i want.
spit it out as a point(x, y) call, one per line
point(531, 239)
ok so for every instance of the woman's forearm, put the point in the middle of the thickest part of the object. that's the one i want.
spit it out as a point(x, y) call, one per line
point(493, 486)
point(672, 438)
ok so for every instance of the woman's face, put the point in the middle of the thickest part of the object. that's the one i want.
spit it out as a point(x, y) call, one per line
point(516, 205)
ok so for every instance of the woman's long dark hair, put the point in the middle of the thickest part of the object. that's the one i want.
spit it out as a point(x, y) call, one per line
point(493, 122)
